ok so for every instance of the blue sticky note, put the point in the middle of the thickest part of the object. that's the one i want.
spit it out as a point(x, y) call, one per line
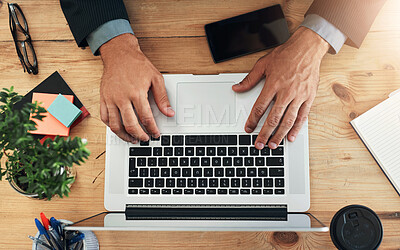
point(64, 111)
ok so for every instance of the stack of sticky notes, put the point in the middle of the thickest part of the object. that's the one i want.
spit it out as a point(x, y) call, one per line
point(61, 113)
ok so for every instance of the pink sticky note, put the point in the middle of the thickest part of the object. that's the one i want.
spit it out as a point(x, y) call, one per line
point(49, 125)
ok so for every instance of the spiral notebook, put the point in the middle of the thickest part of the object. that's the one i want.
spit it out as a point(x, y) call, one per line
point(379, 129)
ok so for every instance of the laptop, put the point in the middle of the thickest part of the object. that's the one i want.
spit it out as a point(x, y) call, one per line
point(204, 172)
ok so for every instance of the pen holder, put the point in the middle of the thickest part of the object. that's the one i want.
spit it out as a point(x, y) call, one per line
point(90, 241)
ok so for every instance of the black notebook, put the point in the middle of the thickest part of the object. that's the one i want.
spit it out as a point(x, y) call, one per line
point(54, 84)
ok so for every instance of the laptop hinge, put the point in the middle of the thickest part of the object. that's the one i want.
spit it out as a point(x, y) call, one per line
point(205, 212)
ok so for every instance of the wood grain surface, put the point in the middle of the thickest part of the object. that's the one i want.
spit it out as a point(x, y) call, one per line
point(171, 34)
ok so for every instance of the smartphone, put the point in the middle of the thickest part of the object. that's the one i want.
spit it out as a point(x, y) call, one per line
point(248, 33)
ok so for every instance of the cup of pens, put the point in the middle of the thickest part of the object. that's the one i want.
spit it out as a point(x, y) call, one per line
point(51, 235)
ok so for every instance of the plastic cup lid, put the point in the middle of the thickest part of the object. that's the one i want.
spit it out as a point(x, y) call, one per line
point(356, 227)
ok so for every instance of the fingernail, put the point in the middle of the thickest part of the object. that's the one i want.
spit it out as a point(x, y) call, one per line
point(170, 111)
point(236, 85)
point(134, 141)
point(291, 138)
point(248, 129)
point(259, 145)
point(272, 145)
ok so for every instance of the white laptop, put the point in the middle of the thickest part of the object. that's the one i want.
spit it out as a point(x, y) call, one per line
point(204, 173)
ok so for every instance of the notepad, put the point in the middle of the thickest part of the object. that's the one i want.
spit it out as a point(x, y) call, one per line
point(49, 125)
point(379, 129)
point(54, 84)
point(64, 110)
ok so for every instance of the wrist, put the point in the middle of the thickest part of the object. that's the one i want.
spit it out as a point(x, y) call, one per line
point(119, 44)
point(310, 41)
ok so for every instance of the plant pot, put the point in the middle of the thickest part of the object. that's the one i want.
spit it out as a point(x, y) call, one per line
point(70, 172)
point(15, 186)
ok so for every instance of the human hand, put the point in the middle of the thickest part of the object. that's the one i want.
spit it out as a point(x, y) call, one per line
point(128, 75)
point(292, 76)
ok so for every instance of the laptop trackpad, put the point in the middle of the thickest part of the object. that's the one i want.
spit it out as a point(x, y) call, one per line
point(205, 103)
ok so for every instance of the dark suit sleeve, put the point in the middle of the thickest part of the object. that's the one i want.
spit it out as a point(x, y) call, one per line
point(84, 16)
point(352, 17)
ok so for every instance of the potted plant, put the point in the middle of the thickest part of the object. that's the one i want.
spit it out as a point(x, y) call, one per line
point(34, 169)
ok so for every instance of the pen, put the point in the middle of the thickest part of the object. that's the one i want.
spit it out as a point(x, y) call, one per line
point(40, 242)
point(56, 225)
point(68, 235)
point(43, 231)
point(76, 238)
point(45, 221)
point(54, 233)
point(57, 229)
point(53, 241)
point(79, 245)
point(72, 246)
point(54, 237)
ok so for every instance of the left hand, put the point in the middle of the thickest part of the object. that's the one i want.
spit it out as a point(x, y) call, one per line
point(292, 75)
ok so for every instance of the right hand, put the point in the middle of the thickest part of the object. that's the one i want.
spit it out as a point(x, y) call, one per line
point(128, 75)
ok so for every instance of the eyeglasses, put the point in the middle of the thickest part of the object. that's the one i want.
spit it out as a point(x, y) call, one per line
point(22, 39)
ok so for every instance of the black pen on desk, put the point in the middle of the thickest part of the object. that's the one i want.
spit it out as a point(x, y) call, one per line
point(40, 242)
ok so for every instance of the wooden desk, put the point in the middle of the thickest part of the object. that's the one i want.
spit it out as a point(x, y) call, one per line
point(171, 34)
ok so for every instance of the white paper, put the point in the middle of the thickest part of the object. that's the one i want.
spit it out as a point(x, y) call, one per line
point(394, 92)
point(379, 128)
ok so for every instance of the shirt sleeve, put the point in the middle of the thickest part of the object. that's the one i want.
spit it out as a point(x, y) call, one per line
point(326, 30)
point(106, 32)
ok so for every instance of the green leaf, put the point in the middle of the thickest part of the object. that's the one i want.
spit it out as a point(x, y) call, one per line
point(23, 179)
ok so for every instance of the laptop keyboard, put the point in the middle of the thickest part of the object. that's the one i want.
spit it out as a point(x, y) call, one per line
point(205, 165)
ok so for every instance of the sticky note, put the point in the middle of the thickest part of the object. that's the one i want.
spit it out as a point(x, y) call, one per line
point(49, 125)
point(64, 111)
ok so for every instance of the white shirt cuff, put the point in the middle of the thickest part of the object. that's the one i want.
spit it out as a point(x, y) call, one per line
point(106, 32)
point(326, 30)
